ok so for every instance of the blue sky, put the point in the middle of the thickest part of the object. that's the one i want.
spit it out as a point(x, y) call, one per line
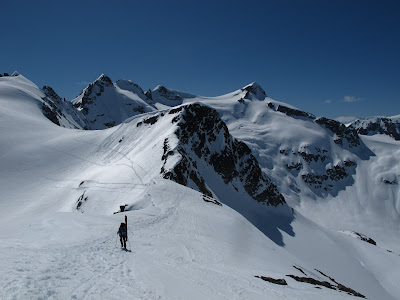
point(331, 58)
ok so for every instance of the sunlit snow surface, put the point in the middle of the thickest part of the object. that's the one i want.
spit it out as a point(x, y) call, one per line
point(182, 247)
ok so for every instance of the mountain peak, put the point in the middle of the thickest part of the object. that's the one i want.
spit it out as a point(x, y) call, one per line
point(104, 78)
point(255, 89)
point(161, 91)
point(15, 73)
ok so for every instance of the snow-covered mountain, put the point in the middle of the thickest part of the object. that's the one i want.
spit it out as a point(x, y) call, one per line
point(106, 104)
point(237, 196)
point(378, 125)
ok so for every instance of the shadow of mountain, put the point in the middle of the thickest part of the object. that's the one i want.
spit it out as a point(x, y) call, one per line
point(270, 220)
point(272, 224)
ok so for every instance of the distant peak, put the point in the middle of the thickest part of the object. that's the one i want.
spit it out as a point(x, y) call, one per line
point(166, 93)
point(253, 84)
point(15, 73)
point(104, 78)
point(160, 88)
point(255, 89)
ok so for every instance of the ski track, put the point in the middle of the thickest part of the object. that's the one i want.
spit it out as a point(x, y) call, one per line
point(100, 149)
point(98, 267)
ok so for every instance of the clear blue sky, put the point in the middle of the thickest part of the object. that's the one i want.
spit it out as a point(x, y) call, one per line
point(331, 58)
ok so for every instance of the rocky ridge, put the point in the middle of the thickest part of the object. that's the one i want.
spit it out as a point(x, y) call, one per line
point(59, 111)
point(204, 138)
point(378, 125)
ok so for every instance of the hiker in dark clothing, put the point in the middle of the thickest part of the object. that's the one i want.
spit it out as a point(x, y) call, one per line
point(123, 236)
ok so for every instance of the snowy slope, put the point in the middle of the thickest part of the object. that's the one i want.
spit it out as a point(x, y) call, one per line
point(323, 168)
point(57, 110)
point(184, 245)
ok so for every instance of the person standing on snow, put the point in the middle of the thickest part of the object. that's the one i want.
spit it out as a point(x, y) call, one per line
point(123, 234)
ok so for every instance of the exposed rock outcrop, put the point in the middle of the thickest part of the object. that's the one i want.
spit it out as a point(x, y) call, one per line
point(254, 90)
point(59, 111)
point(291, 112)
point(92, 91)
point(378, 125)
point(204, 136)
point(341, 132)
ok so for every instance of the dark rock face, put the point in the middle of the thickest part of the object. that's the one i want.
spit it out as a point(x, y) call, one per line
point(364, 238)
point(341, 131)
point(51, 112)
point(150, 121)
point(50, 105)
point(254, 89)
point(313, 281)
point(315, 180)
point(291, 112)
point(211, 200)
point(92, 91)
point(391, 182)
point(148, 95)
point(337, 173)
point(326, 180)
point(166, 93)
point(322, 175)
point(294, 112)
point(273, 280)
point(202, 133)
point(378, 125)
point(82, 199)
point(337, 286)
point(58, 110)
point(51, 94)
point(294, 166)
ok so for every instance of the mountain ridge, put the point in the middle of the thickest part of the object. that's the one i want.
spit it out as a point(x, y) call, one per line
point(213, 234)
